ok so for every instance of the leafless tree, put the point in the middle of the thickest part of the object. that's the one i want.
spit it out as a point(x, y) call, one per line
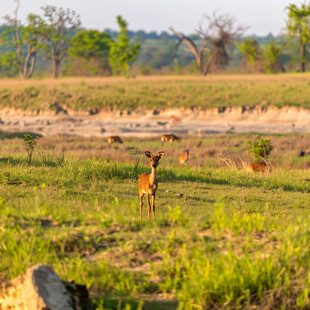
point(218, 33)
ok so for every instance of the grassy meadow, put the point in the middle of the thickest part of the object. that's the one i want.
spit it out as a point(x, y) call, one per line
point(91, 95)
point(223, 238)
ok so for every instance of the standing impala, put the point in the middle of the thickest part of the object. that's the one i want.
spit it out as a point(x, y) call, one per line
point(183, 159)
point(148, 183)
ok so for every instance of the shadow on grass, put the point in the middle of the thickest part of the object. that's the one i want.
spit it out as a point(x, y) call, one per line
point(13, 161)
point(244, 182)
point(105, 302)
point(44, 162)
point(13, 135)
point(103, 170)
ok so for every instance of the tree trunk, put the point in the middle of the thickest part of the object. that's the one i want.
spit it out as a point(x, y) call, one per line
point(207, 66)
point(27, 58)
point(21, 74)
point(33, 63)
point(56, 63)
point(303, 58)
point(192, 46)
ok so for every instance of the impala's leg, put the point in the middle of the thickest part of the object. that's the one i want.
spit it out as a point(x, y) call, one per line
point(148, 205)
point(141, 204)
point(153, 205)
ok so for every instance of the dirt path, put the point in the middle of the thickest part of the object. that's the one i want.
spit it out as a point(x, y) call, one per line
point(154, 122)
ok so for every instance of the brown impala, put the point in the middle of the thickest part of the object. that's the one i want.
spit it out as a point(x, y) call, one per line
point(183, 159)
point(114, 139)
point(148, 183)
point(257, 167)
point(170, 137)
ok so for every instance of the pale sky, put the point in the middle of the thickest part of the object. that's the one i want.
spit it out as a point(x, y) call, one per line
point(261, 16)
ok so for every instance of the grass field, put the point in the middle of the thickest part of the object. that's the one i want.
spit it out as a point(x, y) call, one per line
point(223, 238)
point(95, 94)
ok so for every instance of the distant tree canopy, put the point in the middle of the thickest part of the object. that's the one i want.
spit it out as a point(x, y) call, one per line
point(55, 27)
point(264, 57)
point(90, 44)
point(272, 53)
point(298, 26)
point(121, 51)
point(250, 50)
point(54, 38)
point(21, 44)
point(90, 52)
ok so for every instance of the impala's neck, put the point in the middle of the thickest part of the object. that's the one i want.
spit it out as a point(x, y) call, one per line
point(153, 176)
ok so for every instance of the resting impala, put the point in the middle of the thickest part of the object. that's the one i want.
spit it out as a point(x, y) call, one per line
point(257, 167)
point(148, 183)
point(113, 139)
point(170, 137)
point(183, 159)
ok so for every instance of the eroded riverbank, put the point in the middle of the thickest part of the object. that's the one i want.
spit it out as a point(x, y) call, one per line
point(144, 123)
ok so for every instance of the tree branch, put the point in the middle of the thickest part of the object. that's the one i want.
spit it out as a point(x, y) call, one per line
point(189, 42)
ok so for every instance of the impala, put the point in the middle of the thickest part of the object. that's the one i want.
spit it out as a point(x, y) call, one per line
point(148, 183)
point(257, 167)
point(183, 159)
point(114, 139)
point(170, 137)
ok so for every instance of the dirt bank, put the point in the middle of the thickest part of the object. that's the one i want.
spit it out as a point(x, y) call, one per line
point(154, 122)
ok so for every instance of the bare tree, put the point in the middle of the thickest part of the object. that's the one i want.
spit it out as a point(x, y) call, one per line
point(218, 33)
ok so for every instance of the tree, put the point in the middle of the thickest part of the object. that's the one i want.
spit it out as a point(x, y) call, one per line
point(250, 51)
point(30, 143)
point(92, 47)
point(121, 51)
point(298, 26)
point(25, 43)
point(272, 53)
point(90, 44)
point(218, 33)
point(56, 27)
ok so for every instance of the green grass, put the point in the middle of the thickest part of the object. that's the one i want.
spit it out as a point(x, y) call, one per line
point(93, 95)
point(223, 238)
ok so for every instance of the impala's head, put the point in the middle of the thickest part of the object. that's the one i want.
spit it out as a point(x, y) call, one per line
point(154, 158)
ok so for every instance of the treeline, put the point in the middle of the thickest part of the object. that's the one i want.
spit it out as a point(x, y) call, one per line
point(142, 35)
point(54, 43)
point(53, 36)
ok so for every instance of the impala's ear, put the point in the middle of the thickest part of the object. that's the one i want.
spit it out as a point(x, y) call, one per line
point(161, 154)
point(148, 154)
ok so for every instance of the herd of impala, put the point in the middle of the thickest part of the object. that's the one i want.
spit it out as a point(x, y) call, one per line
point(148, 182)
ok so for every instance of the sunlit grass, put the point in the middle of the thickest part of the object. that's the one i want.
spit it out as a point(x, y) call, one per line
point(223, 238)
point(89, 94)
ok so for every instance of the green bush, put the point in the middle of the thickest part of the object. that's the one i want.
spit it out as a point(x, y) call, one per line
point(30, 143)
point(260, 148)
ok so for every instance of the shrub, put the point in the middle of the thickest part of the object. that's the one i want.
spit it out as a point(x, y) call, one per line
point(30, 143)
point(260, 148)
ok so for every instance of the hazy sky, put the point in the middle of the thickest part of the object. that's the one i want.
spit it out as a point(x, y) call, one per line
point(261, 16)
